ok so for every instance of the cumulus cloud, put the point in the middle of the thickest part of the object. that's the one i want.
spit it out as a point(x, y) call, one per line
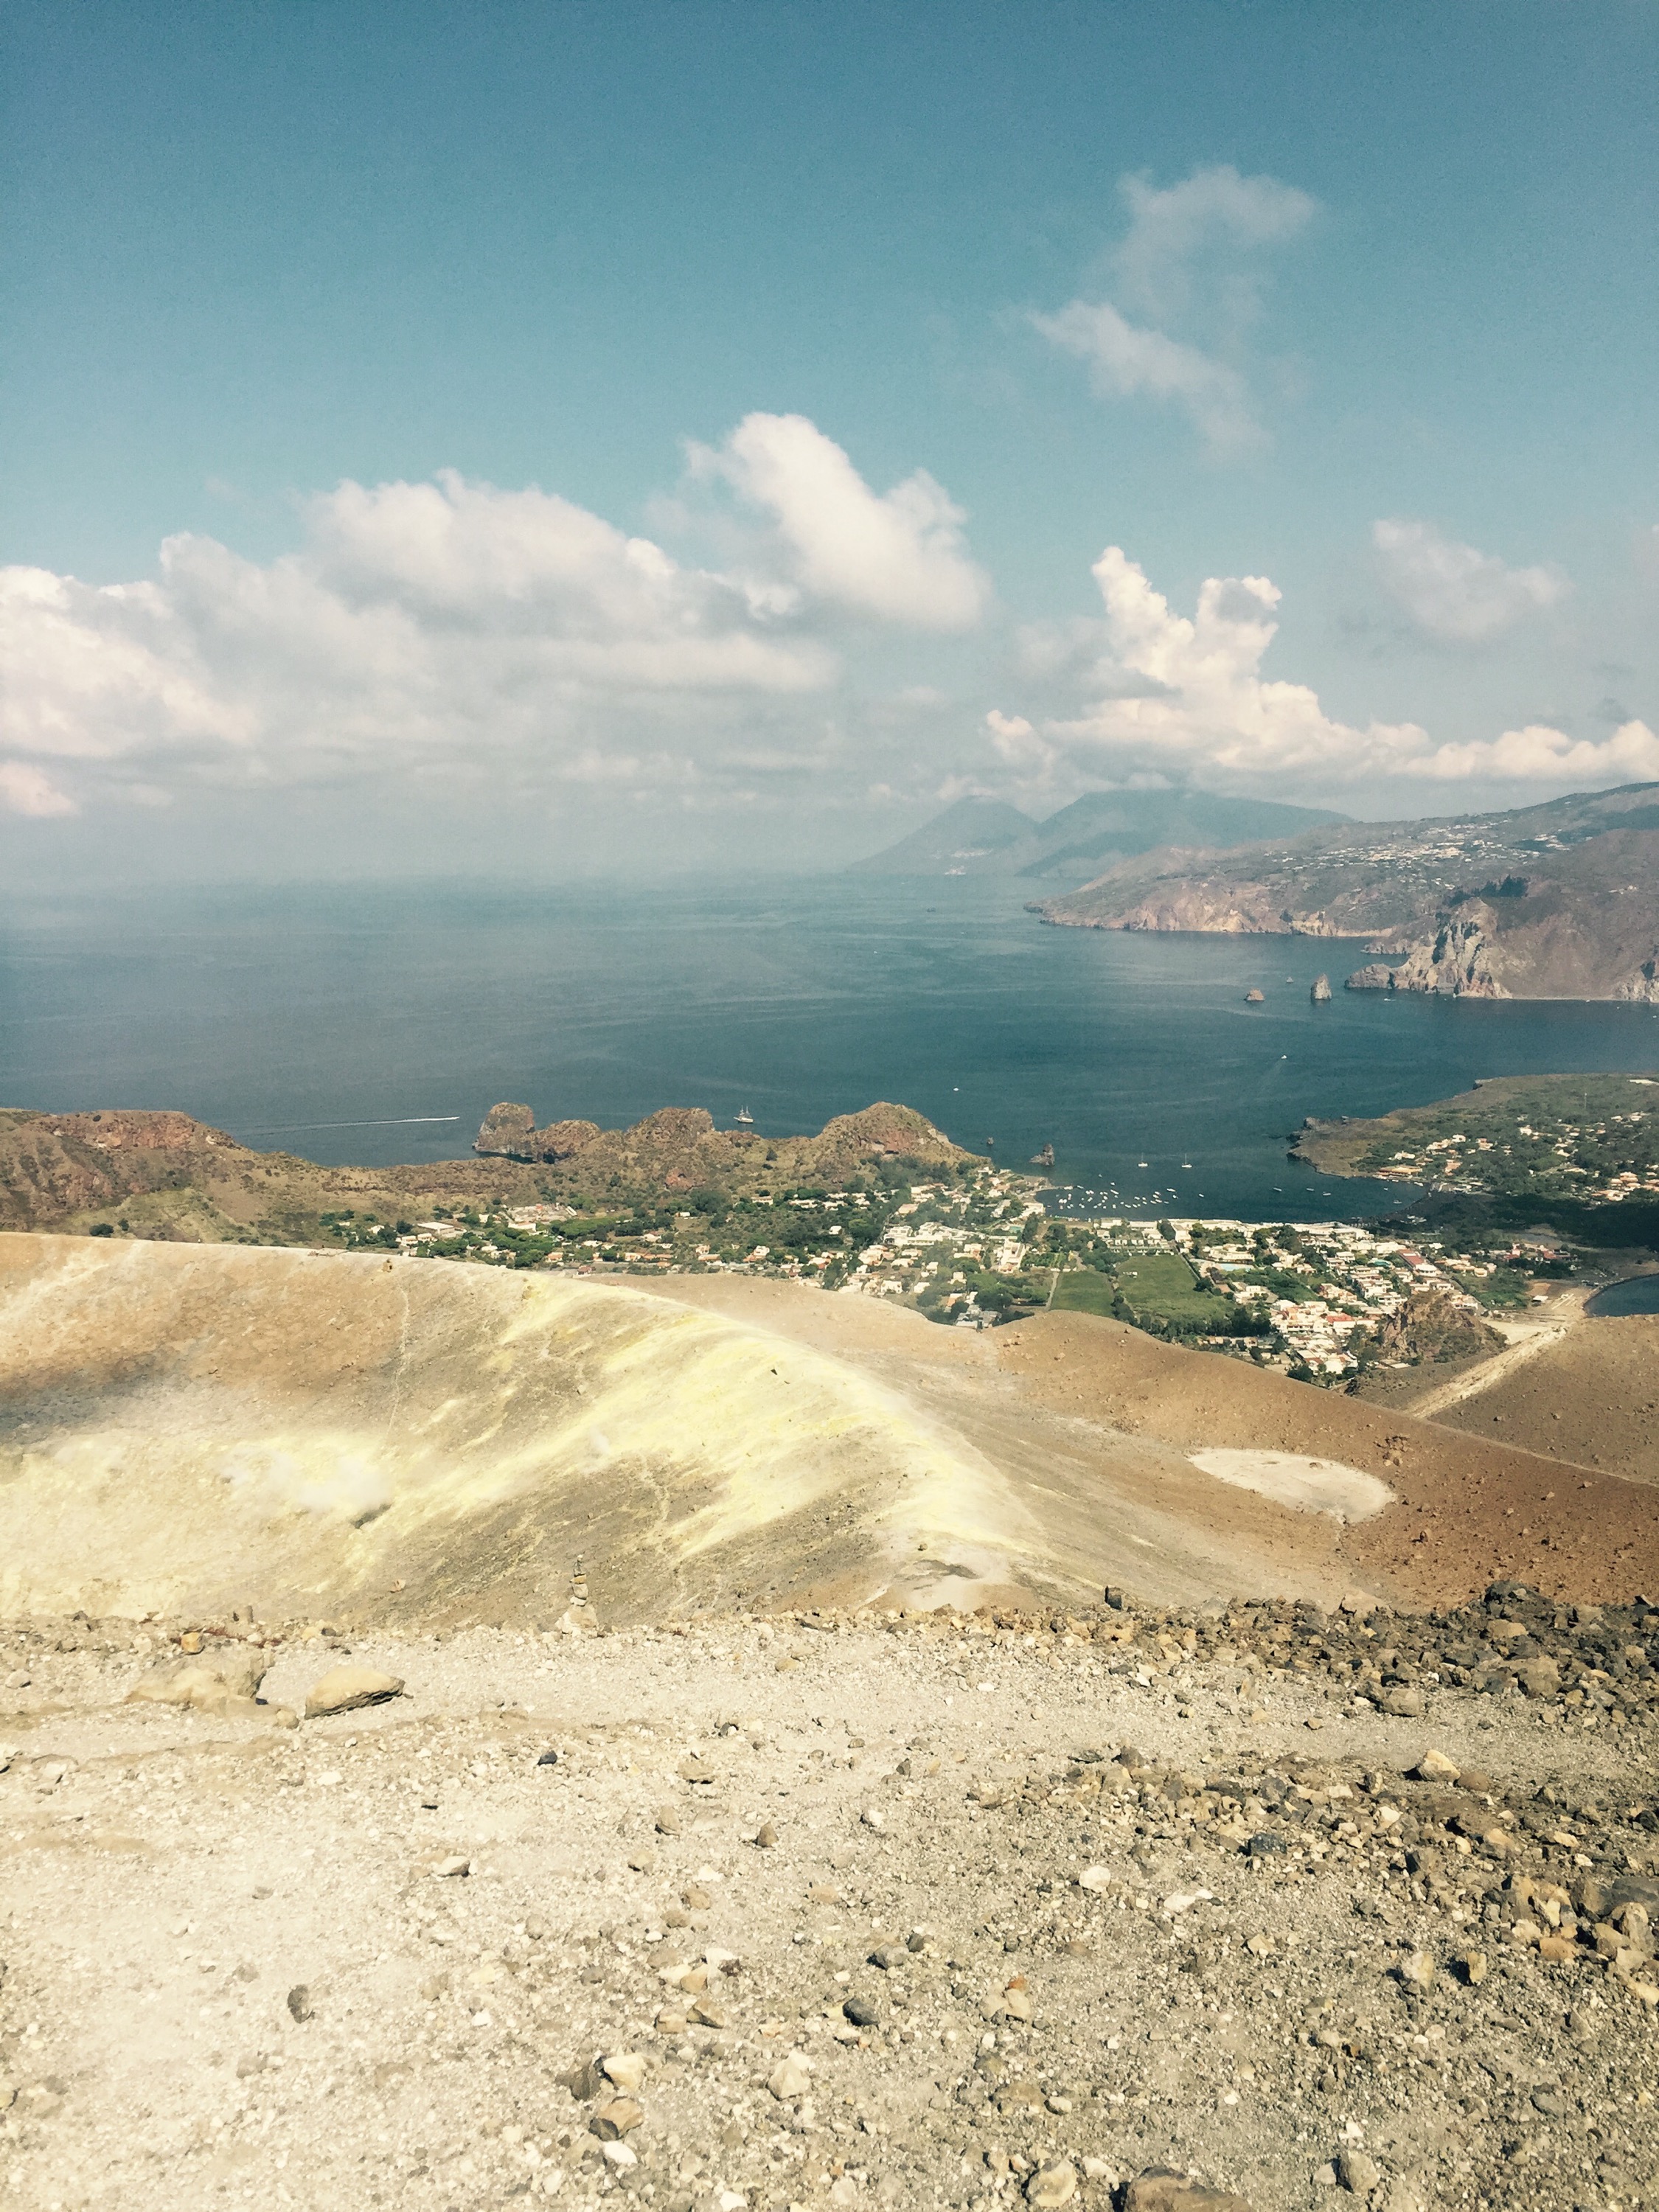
point(899, 556)
point(1455, 593)
point(1184, 696)
point(1189, 264)
point(453, 628)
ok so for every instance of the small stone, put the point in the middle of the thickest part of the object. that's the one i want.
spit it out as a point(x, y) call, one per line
point(766, 1836)
point(708, 2013)
point(624, 2070)
point(861, 2012)
point(620, 2155)
point(1016, 2000)
point(1160, 2188)
point(1435, 1767)
point(1404, 1703)
point(789, 2079)
point(1359, 1602)
point(616, 2119)
point(1265, 1844)
point(696, 1770)
point(670, 2023)
point(667, 1820)
point(1356, 2169)
point(1416, 1969)
point(1052, 2185)
point(344, 1689)
point(824, 1892)
point(1473, 1964)
point(874, 1817)
point(446, 1869)
point(1476, 1781)
point(299, 2001)
point(642, 1861)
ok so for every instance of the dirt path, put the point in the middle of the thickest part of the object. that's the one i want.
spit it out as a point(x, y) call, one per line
point(372, 1960)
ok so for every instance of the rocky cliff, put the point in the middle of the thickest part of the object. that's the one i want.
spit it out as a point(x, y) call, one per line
point(1554, 902)
point(679, 1148)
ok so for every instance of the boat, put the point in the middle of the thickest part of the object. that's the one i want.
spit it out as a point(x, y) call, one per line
point(744, 1118)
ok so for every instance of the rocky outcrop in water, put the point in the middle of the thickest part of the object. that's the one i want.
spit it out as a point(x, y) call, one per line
point(1321, 992)
point(1376, 975)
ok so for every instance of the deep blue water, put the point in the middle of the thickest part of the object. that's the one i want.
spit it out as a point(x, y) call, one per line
point(324, 1020)
point(1636, 1294)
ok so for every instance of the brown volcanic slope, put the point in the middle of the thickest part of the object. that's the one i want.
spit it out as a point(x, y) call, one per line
point(1069, 1391)
point(175, 1178)
point(192, 1428)
point(1555, 901)
point(1592, 1395)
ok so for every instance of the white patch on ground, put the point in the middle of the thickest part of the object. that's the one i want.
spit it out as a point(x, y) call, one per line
point(1312, 1485)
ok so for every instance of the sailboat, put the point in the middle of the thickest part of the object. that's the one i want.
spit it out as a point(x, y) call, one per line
point(744, 1118)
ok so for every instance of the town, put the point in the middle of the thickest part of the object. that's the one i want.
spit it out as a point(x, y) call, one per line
point(1320, 1301)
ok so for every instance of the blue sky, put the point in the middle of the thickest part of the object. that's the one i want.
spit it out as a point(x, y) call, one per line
point(1362, 303)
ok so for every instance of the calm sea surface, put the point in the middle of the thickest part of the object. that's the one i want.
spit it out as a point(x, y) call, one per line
point(341, 1022)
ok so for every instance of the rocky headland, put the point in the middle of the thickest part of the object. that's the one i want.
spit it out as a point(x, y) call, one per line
point(1557, 901)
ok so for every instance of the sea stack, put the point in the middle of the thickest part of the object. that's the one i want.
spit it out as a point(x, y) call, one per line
point(1253, 997)
point(1320, 994)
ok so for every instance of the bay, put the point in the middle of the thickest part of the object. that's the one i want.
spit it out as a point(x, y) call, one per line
point(378, 1023)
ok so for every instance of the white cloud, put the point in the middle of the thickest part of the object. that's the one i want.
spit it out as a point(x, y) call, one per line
point(457, 629)
point(1126, 361)
point(1188, 263)
point(1540, 754)
point(1182, 696)
point(26, 789)
point(1213, 209)
point(900, 556)
point(1455, 593)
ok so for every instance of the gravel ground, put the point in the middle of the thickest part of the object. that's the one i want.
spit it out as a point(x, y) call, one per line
point(917, 1912)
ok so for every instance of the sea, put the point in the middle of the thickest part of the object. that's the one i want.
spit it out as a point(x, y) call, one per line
point(378, 1024)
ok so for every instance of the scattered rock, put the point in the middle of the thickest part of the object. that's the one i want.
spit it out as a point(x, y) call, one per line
point(1356, 2169)
point(344, 1689)
point(299, 2002)
point(790, 2079)
point(225, 1686)
point(612, 2121)
point(1416, 1970)
point(861, 2012)
point(1161, 2189)
point(1435, 1767)
point(1052, 2185)
point(624, 2070)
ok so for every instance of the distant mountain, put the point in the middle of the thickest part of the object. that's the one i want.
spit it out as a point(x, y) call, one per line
point(1559, 900)
point(969, 838)
point(983, 837)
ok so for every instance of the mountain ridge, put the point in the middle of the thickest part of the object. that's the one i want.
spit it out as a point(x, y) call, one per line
point(1558, 899)
point(978, 836)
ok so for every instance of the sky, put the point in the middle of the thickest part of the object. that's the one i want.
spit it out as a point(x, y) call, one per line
point(716, 435)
